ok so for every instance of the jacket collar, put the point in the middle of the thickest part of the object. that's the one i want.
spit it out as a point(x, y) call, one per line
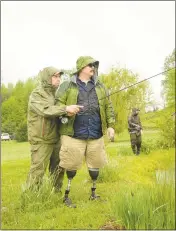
point(95, 78)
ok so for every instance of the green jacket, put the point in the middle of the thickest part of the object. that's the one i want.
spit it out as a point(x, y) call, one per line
point(42, 113)
point(67, 95)
point(134, 123)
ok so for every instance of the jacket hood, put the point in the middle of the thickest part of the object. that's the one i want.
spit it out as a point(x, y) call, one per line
point(45, 76)
point(134, 110)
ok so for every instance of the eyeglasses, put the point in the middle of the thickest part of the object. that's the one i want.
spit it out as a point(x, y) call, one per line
point(57, 75)
point(91, 65)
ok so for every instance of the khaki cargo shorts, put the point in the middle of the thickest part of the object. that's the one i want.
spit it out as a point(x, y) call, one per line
point(73, 151)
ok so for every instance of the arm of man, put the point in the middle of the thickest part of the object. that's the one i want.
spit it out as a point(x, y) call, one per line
point(41, 104)
point(61, 99)
point(140, 123)
point(62, 94)
point(110, 116)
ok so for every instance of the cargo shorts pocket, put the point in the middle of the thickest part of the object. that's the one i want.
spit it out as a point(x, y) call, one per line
point(63, 152)
point(64, 156)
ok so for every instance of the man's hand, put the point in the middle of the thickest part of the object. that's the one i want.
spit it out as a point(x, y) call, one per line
point(73, 109)
point(111, 133)
point(70, 114)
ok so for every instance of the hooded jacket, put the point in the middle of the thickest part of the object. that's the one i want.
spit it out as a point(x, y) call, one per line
point(42, 113)
point(68, 92)
point(132, 120)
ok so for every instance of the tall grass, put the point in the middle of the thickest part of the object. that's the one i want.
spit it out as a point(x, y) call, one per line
point(148, 208)
point(124, 182)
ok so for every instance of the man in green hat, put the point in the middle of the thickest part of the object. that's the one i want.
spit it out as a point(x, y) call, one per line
point(134, 128)
point(82, 136)
point(43, 129)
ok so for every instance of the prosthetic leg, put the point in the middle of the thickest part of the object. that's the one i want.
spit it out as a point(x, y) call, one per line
point(67, 200)
point(94, 172)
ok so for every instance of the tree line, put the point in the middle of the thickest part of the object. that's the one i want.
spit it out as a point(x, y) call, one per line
point(15, 98)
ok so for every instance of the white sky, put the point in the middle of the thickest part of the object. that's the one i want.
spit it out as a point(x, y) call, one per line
point(136, 35)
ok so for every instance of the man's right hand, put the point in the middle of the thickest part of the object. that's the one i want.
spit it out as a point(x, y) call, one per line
point(73, 109)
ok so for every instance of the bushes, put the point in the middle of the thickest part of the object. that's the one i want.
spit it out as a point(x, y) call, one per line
point(166, 138)
point(21, 132)
point(149, 145)
point(167, 130)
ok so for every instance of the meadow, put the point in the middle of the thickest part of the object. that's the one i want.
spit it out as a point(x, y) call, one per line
point(137, 192)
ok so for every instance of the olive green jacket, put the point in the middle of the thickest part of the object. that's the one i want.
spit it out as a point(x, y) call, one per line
point(42, 113)
point(67, 95)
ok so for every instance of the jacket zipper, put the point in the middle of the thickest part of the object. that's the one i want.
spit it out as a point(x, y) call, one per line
point(43, 127)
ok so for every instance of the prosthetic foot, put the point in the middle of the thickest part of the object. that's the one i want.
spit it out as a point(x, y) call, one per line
point(94, 175)
point(93, 195)
point(67, 201)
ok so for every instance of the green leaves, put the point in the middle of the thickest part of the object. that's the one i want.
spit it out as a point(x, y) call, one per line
point(169, 81)
point(14, 108)
point(117, 79)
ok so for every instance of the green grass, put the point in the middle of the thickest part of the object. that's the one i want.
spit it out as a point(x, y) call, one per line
point(11, 150)
point(145, 207)
point(125, 175)
point(147, 134)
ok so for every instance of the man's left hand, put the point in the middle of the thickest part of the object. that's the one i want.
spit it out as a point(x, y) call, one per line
point(111, 133)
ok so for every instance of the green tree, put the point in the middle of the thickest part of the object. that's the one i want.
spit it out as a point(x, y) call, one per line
point(167, 122)
point(125, 100)
point(169, 81)
point(21, 131)
point(14, 108)
point(6, 92)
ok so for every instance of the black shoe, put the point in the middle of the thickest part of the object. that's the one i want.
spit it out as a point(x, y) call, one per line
point(94, 197)
point(67, 201)
point(138, 152)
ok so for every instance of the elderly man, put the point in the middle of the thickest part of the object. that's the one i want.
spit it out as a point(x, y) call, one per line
point(82, 136)
point(43, 129)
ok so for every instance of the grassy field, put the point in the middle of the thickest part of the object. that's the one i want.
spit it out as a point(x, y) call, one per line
point(134, 197)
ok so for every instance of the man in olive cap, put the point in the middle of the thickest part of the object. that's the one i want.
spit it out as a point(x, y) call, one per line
point(134, 128)
point(43, 129)
point(82, 136)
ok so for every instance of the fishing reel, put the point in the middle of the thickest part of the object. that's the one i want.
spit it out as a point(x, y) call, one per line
point(64, 120)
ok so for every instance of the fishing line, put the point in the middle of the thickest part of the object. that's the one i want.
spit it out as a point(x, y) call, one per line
point(161, 73)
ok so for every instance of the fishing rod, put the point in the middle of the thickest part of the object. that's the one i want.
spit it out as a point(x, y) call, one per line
point(64, 119)
point(137, 83)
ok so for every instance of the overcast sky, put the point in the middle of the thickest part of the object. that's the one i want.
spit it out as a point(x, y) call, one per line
point(136, 35)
